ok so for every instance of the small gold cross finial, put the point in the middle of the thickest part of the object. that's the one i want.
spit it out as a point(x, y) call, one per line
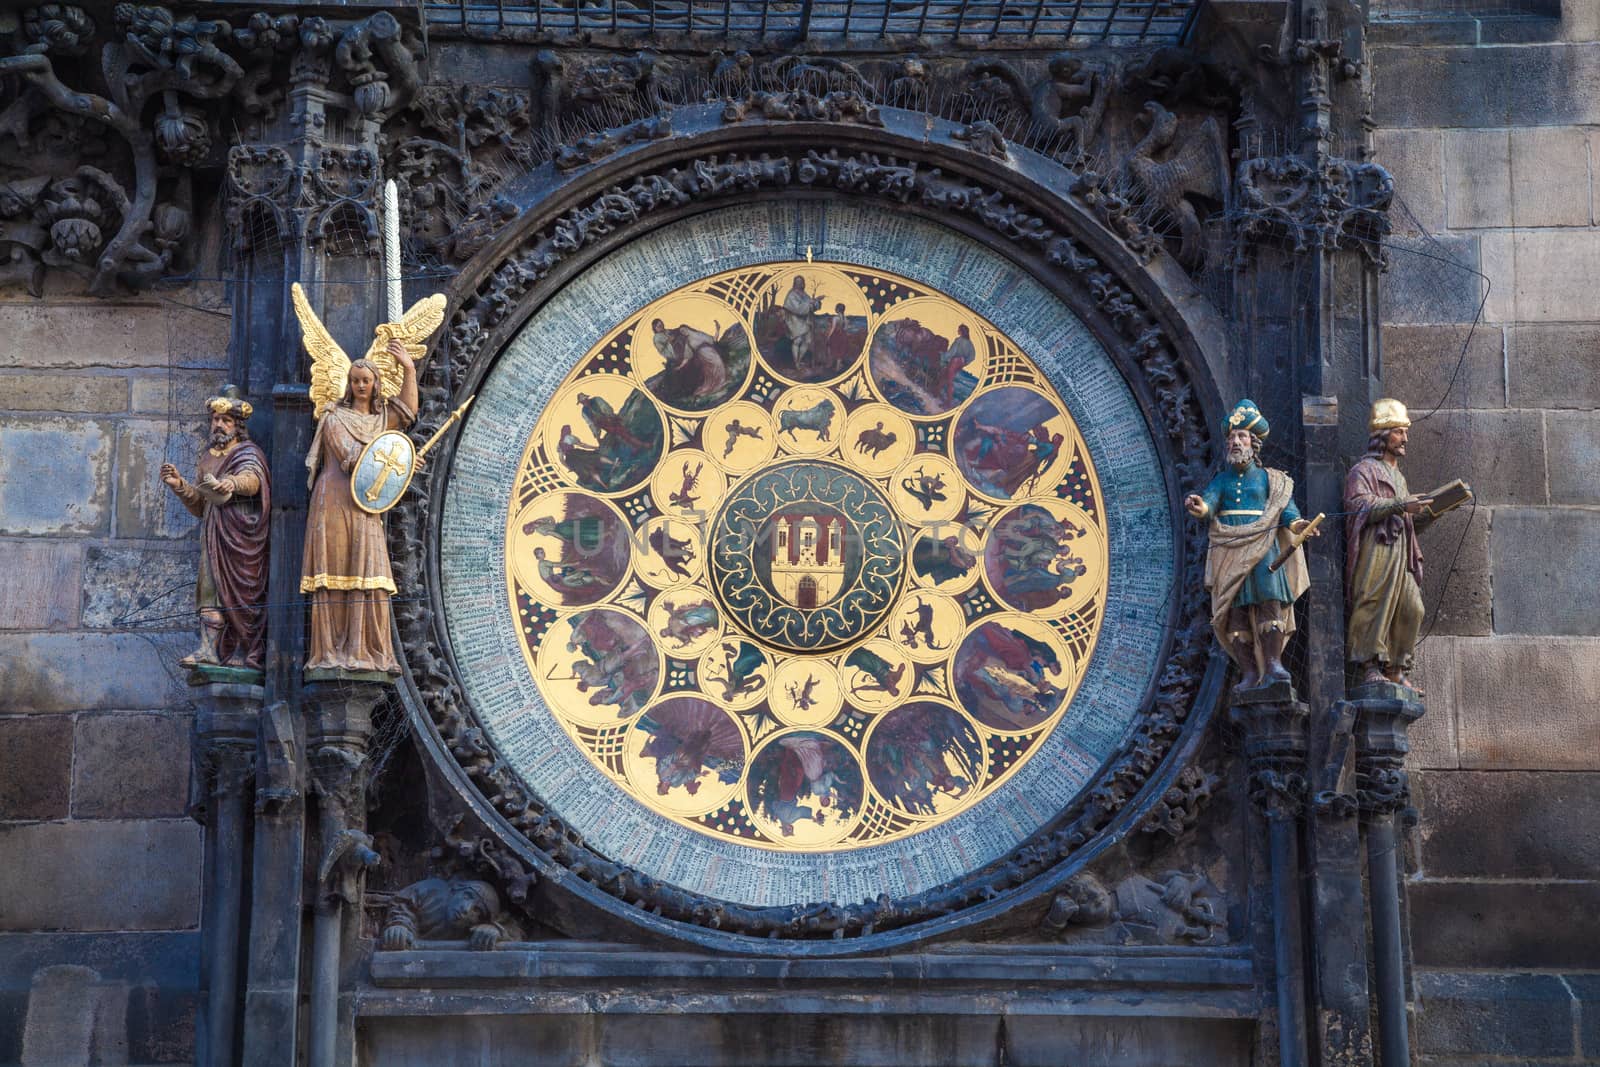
point(808, 253)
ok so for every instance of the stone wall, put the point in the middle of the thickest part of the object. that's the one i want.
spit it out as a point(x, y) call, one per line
point(1493, 132)
point(100, 870)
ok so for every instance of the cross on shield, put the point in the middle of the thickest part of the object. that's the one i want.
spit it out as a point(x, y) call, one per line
point(383, 472)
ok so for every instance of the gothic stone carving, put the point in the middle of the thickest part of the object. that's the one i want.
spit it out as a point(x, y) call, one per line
point(1172, 172)
point(98, 204)
point(103, 156)
point(1177, 908)
point(439, 909)
point(476, 325)
point(1183, 802)
point(1336, 204)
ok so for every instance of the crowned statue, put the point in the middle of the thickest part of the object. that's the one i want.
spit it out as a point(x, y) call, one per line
point(1255, 568)
point(346, 567)
point(232, 497)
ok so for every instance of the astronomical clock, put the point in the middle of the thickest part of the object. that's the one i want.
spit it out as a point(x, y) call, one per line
point(795, 555)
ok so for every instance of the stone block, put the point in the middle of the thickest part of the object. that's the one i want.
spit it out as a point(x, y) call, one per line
point(1494, 1015)
point(99, 394)
point(161, 1024)
point(92, 671)
point(1543, 560)
point(1486, 87)
point(1573, 440)
point(1433, 737)
point(1552, 275)
point(56, 476)
point(74, 336)
point(1554, 366)
point(1586, 989)
point(1432, 280)
point(1459, 366)
point(1510, 824)
point(178, 395)
point(35, 767)
point(1497, 259)
point(127, 585)
point(1527, 703)
point(168, 960)
point(1549, 173)
point(1580, 21)
point(42, 582)
point(100, 875)
point(131, 766)
point(1477, 178)
point(1415, 158)
point(66, 1023)
point(1456, 579)
point(1505, 925)
point(1499, 453)
point(145, 506)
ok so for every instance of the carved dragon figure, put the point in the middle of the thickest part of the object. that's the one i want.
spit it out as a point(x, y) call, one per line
point(1195, 166)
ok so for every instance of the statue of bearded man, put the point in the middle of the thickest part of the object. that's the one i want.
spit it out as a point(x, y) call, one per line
point(1383, 562)
point(1252, 514)
point(232, 498)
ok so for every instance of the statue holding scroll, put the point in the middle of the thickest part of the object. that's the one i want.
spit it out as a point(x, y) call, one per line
point(346, 567)
point(231, 496)
point(1255, 568)
point(1383, 561)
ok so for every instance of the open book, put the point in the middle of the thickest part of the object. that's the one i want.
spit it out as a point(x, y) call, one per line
point(1447, 497)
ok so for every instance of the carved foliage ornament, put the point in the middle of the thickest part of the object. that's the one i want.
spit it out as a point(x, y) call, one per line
point(487, 313)
point(1336, 204)
point(100, 156)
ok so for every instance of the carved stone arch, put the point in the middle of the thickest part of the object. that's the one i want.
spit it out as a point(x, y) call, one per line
point(1164, 339)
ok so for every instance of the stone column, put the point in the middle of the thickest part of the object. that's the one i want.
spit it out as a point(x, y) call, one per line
point(302, 175)
point(224, 749)
point(1383, 715)
point(339, 725)
point(1273, 724)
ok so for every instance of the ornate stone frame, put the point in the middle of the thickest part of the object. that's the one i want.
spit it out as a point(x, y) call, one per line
point(1162, 337)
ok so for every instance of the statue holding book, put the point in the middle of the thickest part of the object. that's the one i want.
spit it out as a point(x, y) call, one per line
point(1383, 561)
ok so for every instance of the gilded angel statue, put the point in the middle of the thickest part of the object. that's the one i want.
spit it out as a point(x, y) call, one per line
point(346, 569)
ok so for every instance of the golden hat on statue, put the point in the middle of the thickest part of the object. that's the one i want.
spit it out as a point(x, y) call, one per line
point(1388, 414)
point(229, 402)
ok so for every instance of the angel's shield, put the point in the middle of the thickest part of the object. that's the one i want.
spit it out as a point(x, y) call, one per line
point(383, 472)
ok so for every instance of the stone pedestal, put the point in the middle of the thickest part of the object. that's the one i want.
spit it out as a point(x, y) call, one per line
point(226, 727)
point(338, 727)
point(1273, 725)
point(1383, 717)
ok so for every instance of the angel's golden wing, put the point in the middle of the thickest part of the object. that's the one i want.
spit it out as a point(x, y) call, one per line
point(413, 331)
point(330, 367)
